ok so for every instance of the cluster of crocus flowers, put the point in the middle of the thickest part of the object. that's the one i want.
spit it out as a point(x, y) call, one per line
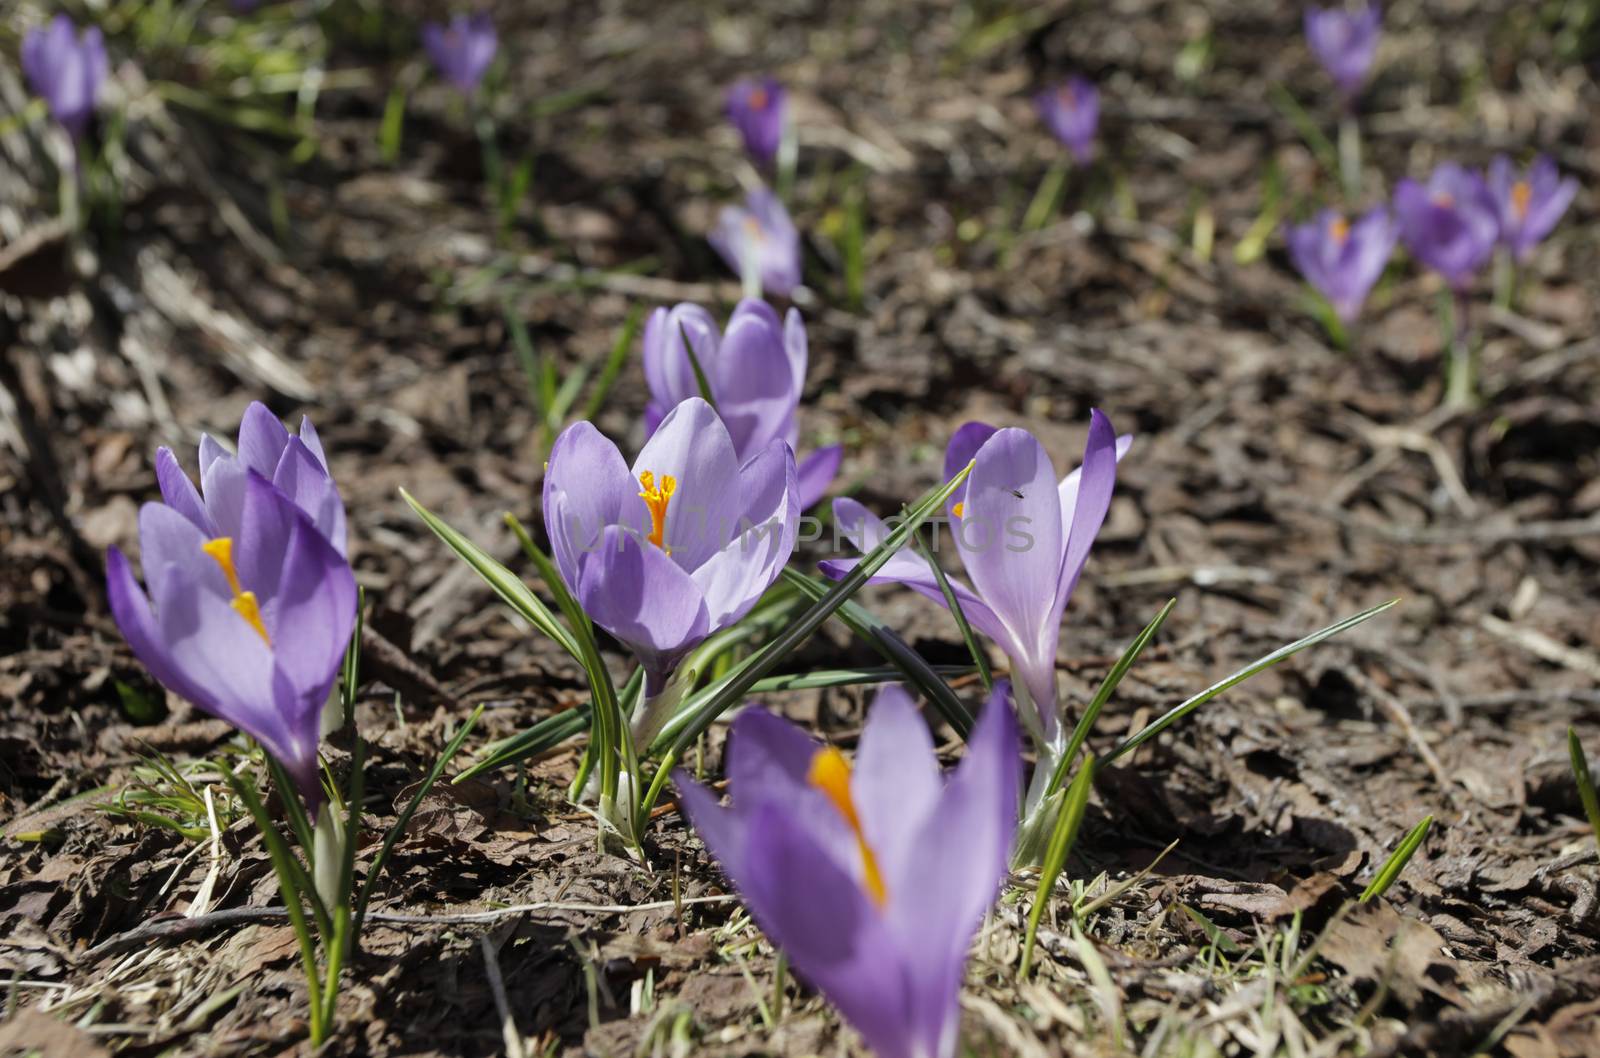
point(461, 49)
point(755, 370)
point(251, 600)
point(872, 880)
point(1071, 110)
point(1341, 260)
point(1023, 537)
point(759, 109)
point(679, 545)
point(1345, 42)
point(760, 243)
point(67, 69)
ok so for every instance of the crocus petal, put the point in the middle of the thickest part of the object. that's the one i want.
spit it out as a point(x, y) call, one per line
point(816, 473)
point(313, 443)
point(266, 525)
point(643, 598)
point(1011, 540)
point(301, 477)
point(956, 862)
point(693, 447)
point(667, 368)
point(834, 937)
point(733, 579)
point(315, 610)
point(261, 440)
point(131, 609)
point(167, 539)
point(222, 483)
point(586, 488)
point(1097, 478)
point(755, 386)
point(179, 492)
point(896, 783)
point(1068, 489)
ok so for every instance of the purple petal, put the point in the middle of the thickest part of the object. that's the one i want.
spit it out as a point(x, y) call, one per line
point(261, 440)
point(816, 472)
point(644, 599)
point(168, 539)
point(179, 492)
point(896, 784)
point(301, 477)
point(309, 438)
point(733, 578)
point(131, 609)
point(587, 487)
point(314, 614)
point(963, 449)
point(693, 447)
point(667, 369)
point(755, 387)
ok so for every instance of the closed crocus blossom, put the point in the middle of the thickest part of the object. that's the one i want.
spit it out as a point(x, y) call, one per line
point(873, 880)
point(759, 109)
point(1343, 260)
point(1530, 203)
point(1072, 111)
point(251, 625)
point(683, 543)
point(760, 240)
point(756, 372)
point(1450, 224)
point(67, 69)
point(1023, 537)
point(1345, 43)
point(461, 49)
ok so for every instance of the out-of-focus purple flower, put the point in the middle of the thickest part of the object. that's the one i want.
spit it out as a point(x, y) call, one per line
point(253, 599)
point(759, 109)
point(676, 547)
point(1023, 538)
point(462, 49)
point(1072, 111)
point(872, 881)
point(67, 70)
point(1345, 43)
point(1530, 204)
point(1450, 224)
point(761, 236)
point(1343, 260)
point(756, 372)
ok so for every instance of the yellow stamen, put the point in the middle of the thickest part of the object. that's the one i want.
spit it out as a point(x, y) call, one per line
point(1521, 197)
point(1339, 230)
point(244, 602)
point(957, 509)
point(656, 500)
point(830, 773)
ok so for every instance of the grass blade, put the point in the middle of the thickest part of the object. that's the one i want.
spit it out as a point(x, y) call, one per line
point(1585, 778)
point(1086, 722)
point(506, 584)
point(614, 365)
point(872, 630)
point(979, 659)
point(390, 839)
point(1397, 860)
point(1178, 712)
point(1068, 820)
point(700, 379)
point(545, 735)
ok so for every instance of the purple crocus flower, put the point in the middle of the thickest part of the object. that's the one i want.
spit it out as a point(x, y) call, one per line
point(873, 882)
point(1072, 111)
point(462, 49)
point(1450, 224)
point(1343, 260)
point(760, 236)
point(1345, 43)
point(759, 109)
point(250, 603)
point(1529, 204)
point(756, 372)
point(67, 70)
point(1023, 538)
point(681, 544)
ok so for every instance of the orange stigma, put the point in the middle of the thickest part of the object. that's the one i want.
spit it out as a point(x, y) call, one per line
point(656, 499)
point(1339, 230)
point(244, 602)
point(758, 98)
point(752, 228)
point(830, 773)
point(957, 509)
point(1444, 200)
point(1521, 196)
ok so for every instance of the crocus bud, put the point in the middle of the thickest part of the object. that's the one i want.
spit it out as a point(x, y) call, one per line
point(67, 69)
point(760, 237)
point(1345, 43)
point(759, 109)
point(462, 49)
point(1072, 111)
